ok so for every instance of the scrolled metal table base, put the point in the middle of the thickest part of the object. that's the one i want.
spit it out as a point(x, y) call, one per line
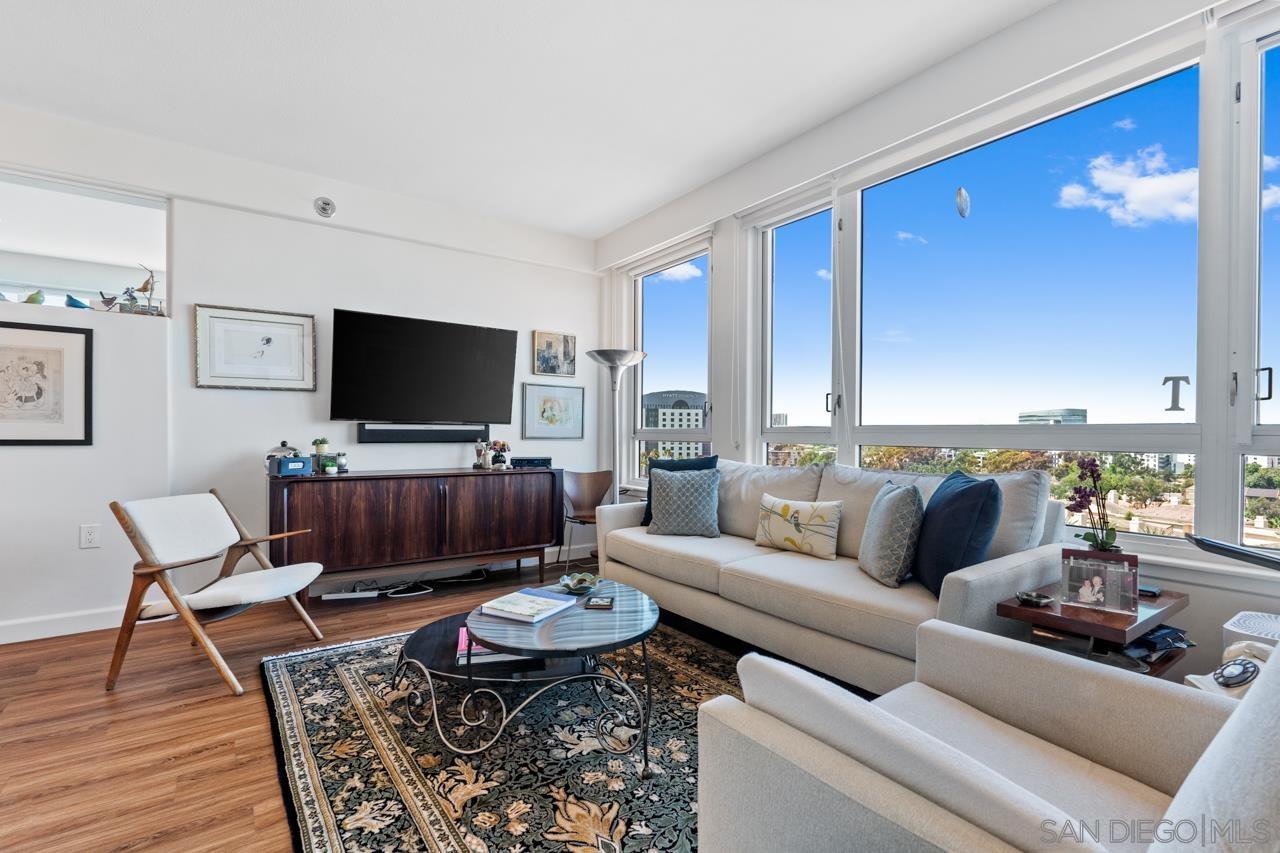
point(599, 674)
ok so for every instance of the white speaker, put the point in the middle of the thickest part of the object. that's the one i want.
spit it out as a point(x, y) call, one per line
point(1252, 625)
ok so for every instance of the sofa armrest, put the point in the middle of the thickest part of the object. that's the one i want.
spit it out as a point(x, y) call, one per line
point(765, 786)
point(1145, 728)
point(969, 596)
point(611, 517)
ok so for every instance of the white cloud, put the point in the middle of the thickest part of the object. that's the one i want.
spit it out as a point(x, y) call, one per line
point(908, 237)
point(895, 336)
point(1138, 190)
point(1269, 162)
point(680, 272)
point(825, 275)
point(1125, 123)
point(1270, 196)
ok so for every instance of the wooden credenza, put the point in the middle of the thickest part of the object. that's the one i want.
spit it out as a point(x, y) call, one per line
point(366, 522)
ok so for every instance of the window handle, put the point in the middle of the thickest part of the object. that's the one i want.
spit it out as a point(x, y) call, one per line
point(827, 405)
point(1270, 383)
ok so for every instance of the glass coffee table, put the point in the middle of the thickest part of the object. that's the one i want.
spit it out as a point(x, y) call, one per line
point(561, 649)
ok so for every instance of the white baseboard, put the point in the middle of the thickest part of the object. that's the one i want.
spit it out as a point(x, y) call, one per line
point(59, 624)
point(79, 621)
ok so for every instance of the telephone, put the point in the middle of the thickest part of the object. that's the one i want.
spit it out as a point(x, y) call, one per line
point(1241, 664)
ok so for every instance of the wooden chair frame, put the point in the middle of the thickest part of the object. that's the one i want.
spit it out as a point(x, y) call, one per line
point(149, 570)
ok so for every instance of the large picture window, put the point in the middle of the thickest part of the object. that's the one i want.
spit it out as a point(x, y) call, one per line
point(1046, 277)
point(1269, 240)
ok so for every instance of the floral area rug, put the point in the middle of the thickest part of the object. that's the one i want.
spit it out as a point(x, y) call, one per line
point(360, 776)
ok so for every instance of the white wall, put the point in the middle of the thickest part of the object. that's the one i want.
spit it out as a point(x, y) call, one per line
point(51, 586)
point(227, 257)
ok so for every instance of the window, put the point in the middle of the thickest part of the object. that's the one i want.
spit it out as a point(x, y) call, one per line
point(799, 454)
point(1269, 239)
point(797, 263)
point(1151, 493)
point(672, 412)
point(1046, 277)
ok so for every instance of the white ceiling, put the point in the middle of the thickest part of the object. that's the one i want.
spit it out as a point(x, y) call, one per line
point(573, 115)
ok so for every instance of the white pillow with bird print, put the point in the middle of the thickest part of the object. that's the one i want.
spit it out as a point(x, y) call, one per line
point(808, 527)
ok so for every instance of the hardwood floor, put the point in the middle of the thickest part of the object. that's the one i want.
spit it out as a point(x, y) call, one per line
point(169, 760)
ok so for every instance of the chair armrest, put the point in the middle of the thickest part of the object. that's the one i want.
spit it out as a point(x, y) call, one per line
point(257, 540)
point(1145, 728)
point(969, 596)
point(611, 517)
point(141, 568)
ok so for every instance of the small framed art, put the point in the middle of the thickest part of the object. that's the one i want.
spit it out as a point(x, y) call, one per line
point(255, 350)
point(46, 384)
point(555, 354)
point(552, 411)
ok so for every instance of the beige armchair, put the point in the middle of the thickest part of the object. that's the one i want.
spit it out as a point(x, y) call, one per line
point(996, 745)
point(183, 530)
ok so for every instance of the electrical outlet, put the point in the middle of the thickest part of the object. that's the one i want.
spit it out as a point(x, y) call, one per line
point(91, 535)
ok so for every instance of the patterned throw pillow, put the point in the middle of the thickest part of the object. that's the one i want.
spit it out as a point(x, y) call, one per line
point(685, 503)
point(806, 526)
point(888, 547)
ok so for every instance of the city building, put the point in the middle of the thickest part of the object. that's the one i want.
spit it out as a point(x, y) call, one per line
point(1054, 416)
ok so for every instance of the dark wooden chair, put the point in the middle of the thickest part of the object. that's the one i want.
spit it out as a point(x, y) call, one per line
point(583, 492)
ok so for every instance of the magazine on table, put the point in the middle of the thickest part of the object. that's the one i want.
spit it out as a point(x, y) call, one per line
point(528, 605)
point(480, 654)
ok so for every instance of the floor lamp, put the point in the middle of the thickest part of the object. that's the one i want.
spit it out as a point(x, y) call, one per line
point(617, 360)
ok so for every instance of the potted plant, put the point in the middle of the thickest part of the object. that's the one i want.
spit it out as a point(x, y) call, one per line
point(320, 445)
point(500, 450)
point(1098, 576)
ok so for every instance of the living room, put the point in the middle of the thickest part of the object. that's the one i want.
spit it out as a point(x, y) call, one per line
point(770, 427)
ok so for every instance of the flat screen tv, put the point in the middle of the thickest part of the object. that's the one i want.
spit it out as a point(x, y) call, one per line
point(406, 370)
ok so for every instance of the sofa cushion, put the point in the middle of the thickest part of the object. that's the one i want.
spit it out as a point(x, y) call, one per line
point(698, 463)
point(684, 503)
point(888, 549)
point(1081, 788)
point(959, 523)
point(897, 750)
point(742, 486)
point(807, 527)
point(832, 596)
point(1022, 523)
point(690, 560)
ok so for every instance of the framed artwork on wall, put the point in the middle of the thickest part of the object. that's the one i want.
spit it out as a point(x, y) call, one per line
point(255, 350)
point(555, 354)
point(552, 411)
point(46, 384)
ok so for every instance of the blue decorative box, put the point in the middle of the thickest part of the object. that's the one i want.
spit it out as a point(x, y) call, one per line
point(291, 466)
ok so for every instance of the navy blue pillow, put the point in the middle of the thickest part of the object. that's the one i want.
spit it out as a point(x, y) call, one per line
point(959, 524)
point(701, 463)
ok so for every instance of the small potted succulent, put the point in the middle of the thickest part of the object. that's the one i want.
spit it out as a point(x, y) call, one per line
point(319, 446)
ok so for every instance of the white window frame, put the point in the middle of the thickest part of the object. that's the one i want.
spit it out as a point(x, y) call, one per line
point(758, 232)
point(679, 253)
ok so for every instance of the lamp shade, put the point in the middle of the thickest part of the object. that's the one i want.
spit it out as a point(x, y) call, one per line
point(617, 357)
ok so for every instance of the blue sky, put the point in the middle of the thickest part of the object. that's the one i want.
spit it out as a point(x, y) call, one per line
point(1270, 266)
point(675, 328)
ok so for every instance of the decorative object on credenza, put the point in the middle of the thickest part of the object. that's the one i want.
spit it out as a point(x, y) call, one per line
point(291, 466)
point(254, 350)
point(281, 451)
point(616, 361)
point(319, 446)
point(327, 464)
point(46, 384)
point(480, 447)
point(553, 411)
point(340, 459)
point(499, 449)
point(72, 302)
point(521, 462)
point(555, 354)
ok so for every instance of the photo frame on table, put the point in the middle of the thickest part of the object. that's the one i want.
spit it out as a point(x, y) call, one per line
point(552, 411)
point(555, 354)
point(252, 350)
point(46, 384)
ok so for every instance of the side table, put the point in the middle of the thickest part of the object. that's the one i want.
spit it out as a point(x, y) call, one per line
point(1098, 634)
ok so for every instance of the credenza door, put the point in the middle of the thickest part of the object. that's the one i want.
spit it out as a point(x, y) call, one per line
point(498, 512)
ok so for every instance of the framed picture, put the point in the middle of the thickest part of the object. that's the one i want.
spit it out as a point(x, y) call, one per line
point(255, 350)
point(1103, 580)
point(552, 411)
point(46, 384)
point(555, 354)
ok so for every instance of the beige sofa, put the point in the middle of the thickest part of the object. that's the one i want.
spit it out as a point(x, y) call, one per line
point(996, 745)
point(829, 614)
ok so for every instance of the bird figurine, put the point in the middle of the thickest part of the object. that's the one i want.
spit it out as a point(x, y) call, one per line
point(36, 298)
point(108, 302)
point(72, 302)
point(3, 298)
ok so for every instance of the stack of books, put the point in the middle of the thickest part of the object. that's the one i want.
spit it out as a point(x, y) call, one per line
point(479, 654)
point(528, 605)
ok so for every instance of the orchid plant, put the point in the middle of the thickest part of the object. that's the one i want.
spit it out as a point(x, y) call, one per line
point(1089, 499)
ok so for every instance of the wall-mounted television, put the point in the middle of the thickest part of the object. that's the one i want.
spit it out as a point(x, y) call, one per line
point(407, 370)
